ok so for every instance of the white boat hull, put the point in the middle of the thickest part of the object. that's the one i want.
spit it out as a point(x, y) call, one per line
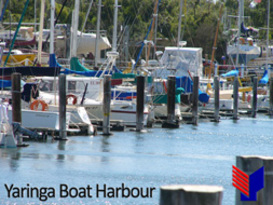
point(246, 52)
point(226, 104)
point(40, 119)
point(123, 112)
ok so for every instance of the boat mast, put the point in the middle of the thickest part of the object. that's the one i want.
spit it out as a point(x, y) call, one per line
point(1, 9)
point(52, 12)
point(86, 16)
point(75, 23)
point(267, 36)
point(42, 14)
point(155, 33)
point(115, 54)
point(114, 44)
point(179, 22)
point(241, 9)
point(97, 35)
point(35, 18)
point(215, 42)
point(151, 33)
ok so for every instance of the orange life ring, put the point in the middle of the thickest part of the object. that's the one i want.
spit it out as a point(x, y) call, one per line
point(75, 99)
point(35, 104)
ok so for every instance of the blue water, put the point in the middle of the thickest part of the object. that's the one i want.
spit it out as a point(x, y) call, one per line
point(202, 154)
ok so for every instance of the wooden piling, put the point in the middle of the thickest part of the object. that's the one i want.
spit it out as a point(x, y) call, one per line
point(171, 99)
point(140, 103)
point(62, 107)
point(216, 99)
point(195, 100)
point(235, 98)
point(254, 97)
point(249, 165)
point(16, 98)
point(191, 195)
point(106, 104)
point(171, 123)
point(271, 98)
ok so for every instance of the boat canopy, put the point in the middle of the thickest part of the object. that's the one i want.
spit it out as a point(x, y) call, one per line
point(232, 73)
point(264, 79)
point(180, 61)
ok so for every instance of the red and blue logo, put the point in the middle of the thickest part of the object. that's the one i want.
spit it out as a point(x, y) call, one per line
point(248, 185)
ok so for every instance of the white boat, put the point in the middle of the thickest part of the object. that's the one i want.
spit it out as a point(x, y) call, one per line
point(124, 111)
point(38, 114)
point(85, 41)
point(247, 51)
point(243, 45)
point(40, 119)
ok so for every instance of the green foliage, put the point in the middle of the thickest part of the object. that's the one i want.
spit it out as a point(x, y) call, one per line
point(198, 24)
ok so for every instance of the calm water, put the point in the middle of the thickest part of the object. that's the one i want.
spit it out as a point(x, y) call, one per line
point(202, 154)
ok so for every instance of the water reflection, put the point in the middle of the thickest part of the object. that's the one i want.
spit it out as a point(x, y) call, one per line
point(139, 141)
point(14, 162)
point(105, 148)
point(61, 146)
point(14, 155)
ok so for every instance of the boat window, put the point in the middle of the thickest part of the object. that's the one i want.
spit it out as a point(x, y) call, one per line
point(81, 87)
point(71, 86)
point(46, 86)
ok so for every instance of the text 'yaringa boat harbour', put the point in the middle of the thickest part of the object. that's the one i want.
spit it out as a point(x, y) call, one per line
point(71, 96)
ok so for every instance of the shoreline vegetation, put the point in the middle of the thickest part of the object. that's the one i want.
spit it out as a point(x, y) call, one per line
point(198, 27)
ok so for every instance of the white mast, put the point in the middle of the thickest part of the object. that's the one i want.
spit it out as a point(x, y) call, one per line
point(86, 16)
point(35, 6)
point(155, 33)
point(179, 23)
point(241, 3)
point(40, 44)
point(75, 24)
point(52, 12)
point(114, 43)
point(114, 54)
point(267, 36)
point(97, 55)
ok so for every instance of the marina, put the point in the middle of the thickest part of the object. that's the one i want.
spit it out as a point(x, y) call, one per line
point(202, 154)
point(133, 120)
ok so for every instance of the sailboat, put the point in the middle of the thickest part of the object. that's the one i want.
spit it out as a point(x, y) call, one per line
point(243, 47)
point(246, 46)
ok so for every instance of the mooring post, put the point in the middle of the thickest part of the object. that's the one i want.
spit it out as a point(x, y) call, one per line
point(195, 100)
point(191, 195)
point(16, 98)
point(235, 98)
point(171, 123)
point(106, 104)
point(254, 97)
point(171, 99)
point(262, 168)
point(16, 102)
point(271, 98)
point(216, 99)
point(140, 103)
point(62, 107)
